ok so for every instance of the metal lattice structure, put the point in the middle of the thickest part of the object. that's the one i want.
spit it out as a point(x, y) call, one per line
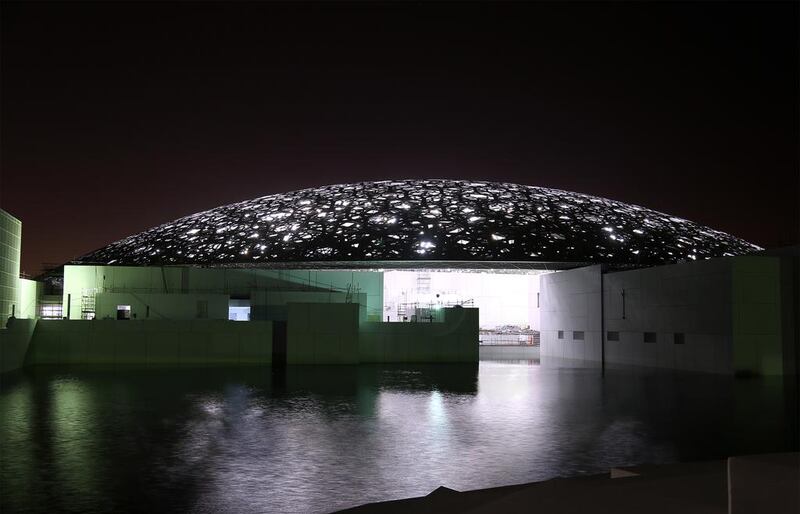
point(403, 221)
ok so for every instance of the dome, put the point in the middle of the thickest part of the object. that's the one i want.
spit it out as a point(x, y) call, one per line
point(439, 221)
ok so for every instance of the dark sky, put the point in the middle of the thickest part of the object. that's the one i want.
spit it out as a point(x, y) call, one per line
point(118, 117)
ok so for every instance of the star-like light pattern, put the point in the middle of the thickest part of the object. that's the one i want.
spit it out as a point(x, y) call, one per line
point(433, 220)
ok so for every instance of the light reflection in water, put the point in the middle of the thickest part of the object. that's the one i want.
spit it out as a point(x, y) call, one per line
point(74, 460)
point(17, 424)
point(319, 439)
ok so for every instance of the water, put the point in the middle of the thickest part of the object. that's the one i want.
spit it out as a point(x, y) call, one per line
point(317, 439)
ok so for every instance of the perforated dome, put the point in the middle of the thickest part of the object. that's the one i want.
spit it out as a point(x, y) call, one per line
point(423, 220)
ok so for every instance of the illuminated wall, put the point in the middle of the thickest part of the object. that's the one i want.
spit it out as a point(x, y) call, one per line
point(10, 249)
point(158, 284)
point(205, 341)
point(571, 315)
point(163, 306)
point(725, 316)
point(29, 291)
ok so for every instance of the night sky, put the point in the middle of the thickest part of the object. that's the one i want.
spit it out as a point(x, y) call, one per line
point(118, 117)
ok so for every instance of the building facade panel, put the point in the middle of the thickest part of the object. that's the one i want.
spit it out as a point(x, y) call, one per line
point(10, 252)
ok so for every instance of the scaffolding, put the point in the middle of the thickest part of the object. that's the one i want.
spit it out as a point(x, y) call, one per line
point(427, 312)
point(88, 303)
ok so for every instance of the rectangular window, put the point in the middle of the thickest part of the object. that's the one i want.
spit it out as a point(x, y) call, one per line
point(51, 311)
point(561, 334)
point(577, 335)
point(679, 338)
point(612, 336)
point(649, 337)
point(202, 309)
point(239, 313)
point(123, 312)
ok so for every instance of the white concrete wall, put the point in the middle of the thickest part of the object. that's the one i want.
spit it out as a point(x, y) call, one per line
point(455, 339)
point(162, 306)
point(693, 299)
point(322, 333)
point(159, 342)
point(10, 251)
point(80, 280)
point(758, 316)
point(330, 333)
point(14, 343)
point(29, 291)
point(273, 305)
point(730, 313)
point(570, 301)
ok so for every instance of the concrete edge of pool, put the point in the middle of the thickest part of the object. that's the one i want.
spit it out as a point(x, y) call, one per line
point(738, 485)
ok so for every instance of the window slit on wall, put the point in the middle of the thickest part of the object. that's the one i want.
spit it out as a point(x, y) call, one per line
point(623, 304)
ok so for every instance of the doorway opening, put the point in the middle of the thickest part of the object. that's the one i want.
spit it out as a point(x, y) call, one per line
point(238, 310)
point(123, 312)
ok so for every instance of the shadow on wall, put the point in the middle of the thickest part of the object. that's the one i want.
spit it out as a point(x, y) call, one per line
point(14, 343)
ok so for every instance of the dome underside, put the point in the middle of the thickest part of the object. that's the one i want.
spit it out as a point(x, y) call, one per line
point(423, 220)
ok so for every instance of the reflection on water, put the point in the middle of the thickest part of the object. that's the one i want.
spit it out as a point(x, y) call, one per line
point(315, 439)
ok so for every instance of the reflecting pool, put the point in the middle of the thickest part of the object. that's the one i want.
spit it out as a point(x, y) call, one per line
point(317, 439)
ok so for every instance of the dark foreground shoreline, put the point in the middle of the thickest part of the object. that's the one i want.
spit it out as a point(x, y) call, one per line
point(738, 485)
